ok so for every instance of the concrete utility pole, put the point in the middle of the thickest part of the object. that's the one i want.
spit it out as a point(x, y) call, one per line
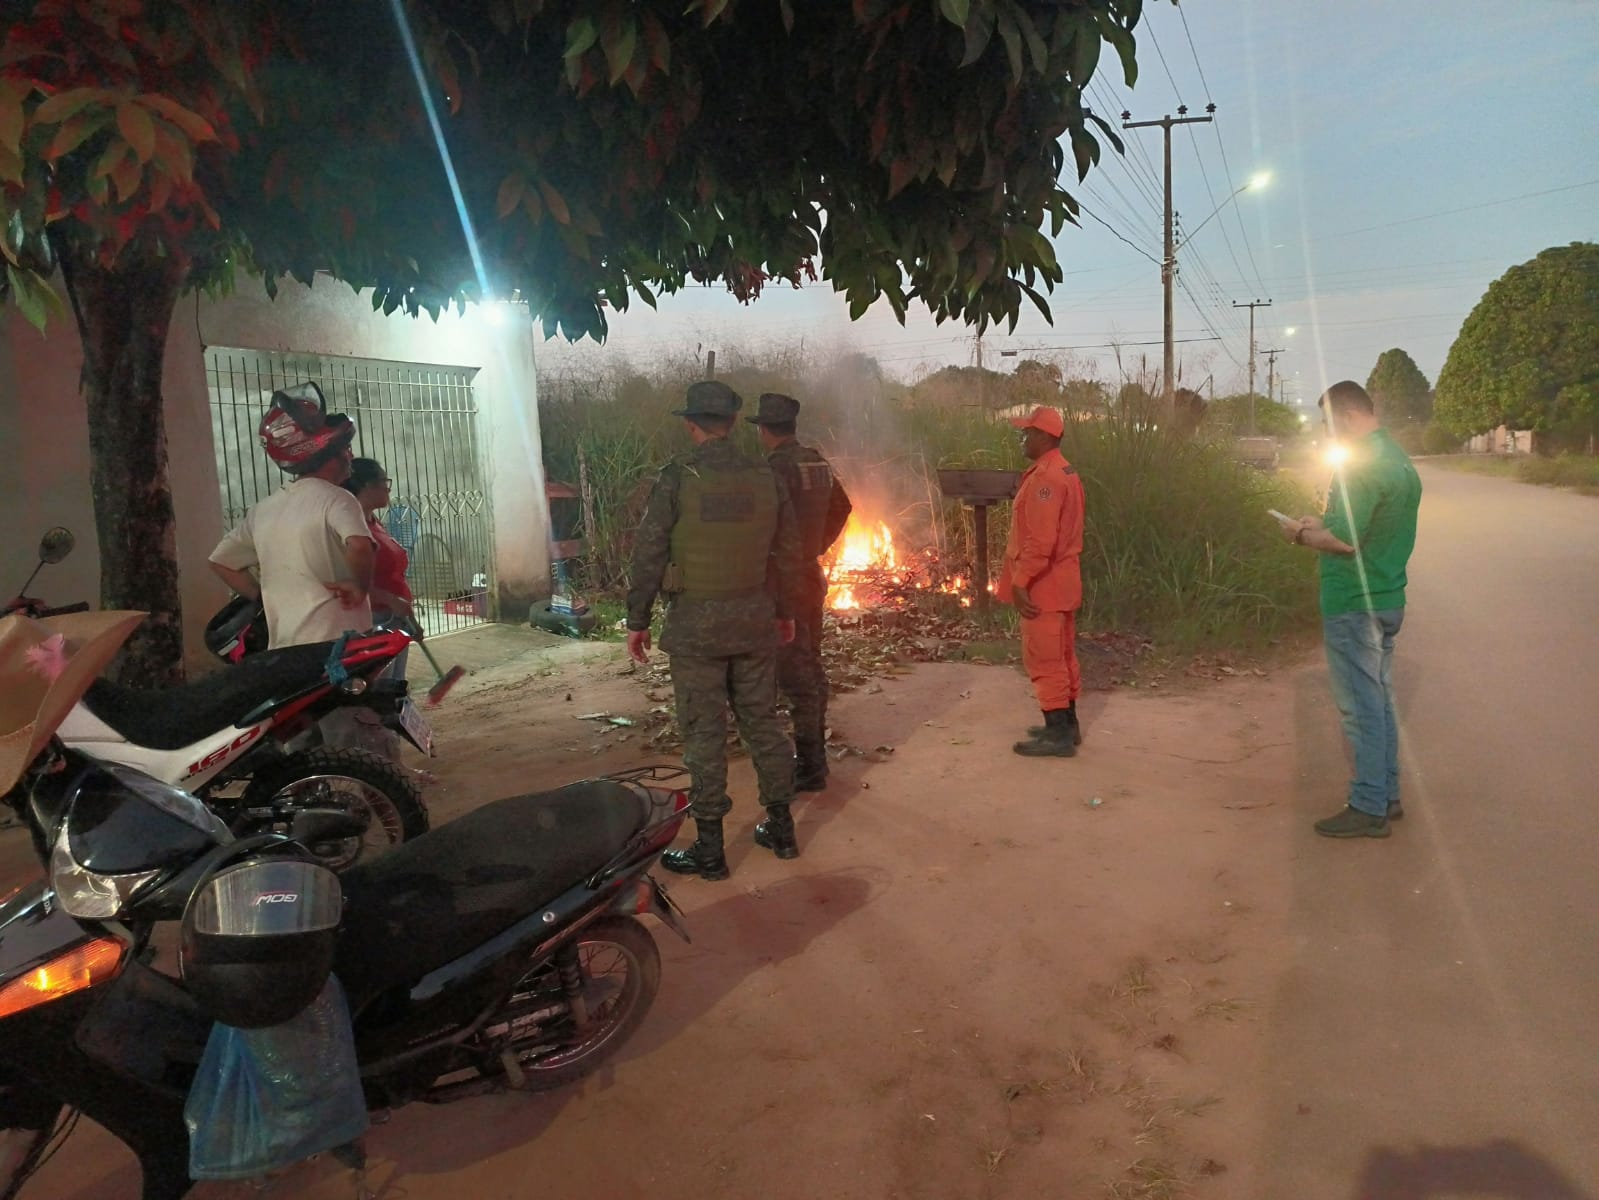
point(1271, 367)
point(1252, 306)
point(1168, 265)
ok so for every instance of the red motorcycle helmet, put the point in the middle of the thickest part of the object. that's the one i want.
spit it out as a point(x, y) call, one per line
point(298, 432)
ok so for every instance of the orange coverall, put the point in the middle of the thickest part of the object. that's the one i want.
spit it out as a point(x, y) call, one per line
point(1043, 555)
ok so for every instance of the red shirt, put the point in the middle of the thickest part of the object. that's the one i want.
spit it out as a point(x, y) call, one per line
point(1045, 548)
point(388, 572)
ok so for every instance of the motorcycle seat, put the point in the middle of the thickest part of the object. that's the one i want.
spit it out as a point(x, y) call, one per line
point(428, 901)
point(172, 718)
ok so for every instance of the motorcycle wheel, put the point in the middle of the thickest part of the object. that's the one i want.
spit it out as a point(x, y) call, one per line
point(28, 1124)
point(621, 974)
point(356, 780)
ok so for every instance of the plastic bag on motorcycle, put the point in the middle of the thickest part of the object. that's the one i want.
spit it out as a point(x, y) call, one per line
point(279, 1079)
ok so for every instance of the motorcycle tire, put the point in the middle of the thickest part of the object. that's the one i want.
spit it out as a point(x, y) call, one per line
point(622, 939)
point(323, 776)
point(28, 1124)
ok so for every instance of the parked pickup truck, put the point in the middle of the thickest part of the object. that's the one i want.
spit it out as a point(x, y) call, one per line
point(1258, 452)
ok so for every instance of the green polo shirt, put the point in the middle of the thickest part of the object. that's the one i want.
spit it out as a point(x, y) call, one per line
point(1371, 506)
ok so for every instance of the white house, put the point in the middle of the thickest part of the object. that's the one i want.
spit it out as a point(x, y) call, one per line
point(448, 407)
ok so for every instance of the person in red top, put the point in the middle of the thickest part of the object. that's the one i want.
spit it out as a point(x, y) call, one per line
point(1042, 577)
point(390, 594)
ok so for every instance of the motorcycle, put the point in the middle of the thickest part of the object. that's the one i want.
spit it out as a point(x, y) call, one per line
point(501, 951)
point(225, 738)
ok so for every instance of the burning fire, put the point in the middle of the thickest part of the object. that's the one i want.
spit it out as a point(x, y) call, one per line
point(860, 548)
point(864, 563)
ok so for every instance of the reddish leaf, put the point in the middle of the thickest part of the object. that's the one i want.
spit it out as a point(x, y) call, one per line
point(511, 189)
point(900, 172)
point(556, 203)
point(160, 190)
point(65, 104)
point(73, 133)
point(125, 176)
point(12, 93)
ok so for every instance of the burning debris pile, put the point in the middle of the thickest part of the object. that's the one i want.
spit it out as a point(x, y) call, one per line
point(866, 572)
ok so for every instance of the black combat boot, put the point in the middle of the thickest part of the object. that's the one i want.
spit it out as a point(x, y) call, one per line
point(704, 858)
point(776, 833)
point(1052, 739)
point(810, 765)
point(1034, 731)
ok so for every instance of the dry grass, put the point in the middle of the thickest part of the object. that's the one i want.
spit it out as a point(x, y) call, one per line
point(1227, 1008)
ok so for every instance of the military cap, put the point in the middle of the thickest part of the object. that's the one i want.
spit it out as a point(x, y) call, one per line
point(775, 408)
point(709, 398)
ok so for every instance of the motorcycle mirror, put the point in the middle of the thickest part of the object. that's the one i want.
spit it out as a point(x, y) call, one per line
point(56, 544)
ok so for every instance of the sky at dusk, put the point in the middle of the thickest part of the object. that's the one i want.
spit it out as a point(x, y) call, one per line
point(1416, 152)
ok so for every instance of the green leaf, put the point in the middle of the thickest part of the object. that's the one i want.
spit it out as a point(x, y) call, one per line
point(1085, 53)
point(65, 104)
point(72, 133)
point(955, 12)
point(125, 176)
point(619, 43)
point(979, 32)
point(900, 172)
point(195, 127)
point(580, 35)
point(33, 295)
point(1013, 44)
point(12, 120)
point(139, 129)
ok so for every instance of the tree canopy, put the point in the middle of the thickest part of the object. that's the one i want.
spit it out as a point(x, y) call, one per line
point(1528, 355)
point(1400, 390)
point(1271, 419)
point(579, 152)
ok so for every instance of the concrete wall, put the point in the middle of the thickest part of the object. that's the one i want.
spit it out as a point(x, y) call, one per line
point(44, 434)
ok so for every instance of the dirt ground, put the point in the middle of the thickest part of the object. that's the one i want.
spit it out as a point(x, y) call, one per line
point(986, 976)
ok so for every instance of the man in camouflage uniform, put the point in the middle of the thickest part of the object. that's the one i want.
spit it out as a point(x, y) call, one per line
point(822, 508)
point(719, 540)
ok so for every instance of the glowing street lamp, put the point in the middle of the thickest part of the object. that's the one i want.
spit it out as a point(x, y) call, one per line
point(1256, 182)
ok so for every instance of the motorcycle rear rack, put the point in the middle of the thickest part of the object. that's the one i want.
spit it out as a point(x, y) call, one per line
point(664, 775)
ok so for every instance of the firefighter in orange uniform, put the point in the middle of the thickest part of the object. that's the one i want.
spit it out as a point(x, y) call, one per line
point(1042, 577)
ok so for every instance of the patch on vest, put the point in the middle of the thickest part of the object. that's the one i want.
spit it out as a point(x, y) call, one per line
point(727, 508)
point(814, 475)
point(1044, 493)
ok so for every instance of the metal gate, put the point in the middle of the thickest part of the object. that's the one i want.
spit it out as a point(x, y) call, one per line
point(419, 421)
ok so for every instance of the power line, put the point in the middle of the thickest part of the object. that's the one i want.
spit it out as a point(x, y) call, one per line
point(1154, 41)
point(1203, 81)
point(1112, 228)
point(1449, 212)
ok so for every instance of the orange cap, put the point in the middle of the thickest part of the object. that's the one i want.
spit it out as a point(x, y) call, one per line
point(1043, 417)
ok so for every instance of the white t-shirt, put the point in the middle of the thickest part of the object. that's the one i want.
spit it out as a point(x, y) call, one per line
point(295, 538)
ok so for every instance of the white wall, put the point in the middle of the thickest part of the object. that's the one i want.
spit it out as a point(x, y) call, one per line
point(44, 434)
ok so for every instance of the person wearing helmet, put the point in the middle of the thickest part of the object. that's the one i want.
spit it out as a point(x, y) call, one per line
point(305, 550)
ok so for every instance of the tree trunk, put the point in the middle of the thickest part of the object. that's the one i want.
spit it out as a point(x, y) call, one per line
point(123, 315)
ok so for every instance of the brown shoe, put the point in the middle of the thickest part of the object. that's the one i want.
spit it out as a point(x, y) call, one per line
point(1352, 823)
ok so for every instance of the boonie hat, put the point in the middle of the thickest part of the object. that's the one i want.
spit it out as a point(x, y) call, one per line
point(774, 408)
point(709, 398)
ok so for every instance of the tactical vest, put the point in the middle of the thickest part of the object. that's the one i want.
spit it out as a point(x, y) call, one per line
point(726, 522)
point(810, 487)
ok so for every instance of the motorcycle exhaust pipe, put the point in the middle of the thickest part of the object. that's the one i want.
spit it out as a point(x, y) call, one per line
point(313, 825)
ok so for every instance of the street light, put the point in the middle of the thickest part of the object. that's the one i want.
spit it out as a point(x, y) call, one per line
point(1257, 181)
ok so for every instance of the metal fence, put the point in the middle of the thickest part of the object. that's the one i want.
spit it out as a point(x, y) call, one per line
point(419, 421)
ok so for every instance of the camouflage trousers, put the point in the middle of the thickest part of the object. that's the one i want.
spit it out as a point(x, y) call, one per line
point(705, 688)
point(803, 679)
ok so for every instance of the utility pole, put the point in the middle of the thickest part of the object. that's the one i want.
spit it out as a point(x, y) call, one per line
point(1252, 306)
point(1168, 265)
point(1271, 367)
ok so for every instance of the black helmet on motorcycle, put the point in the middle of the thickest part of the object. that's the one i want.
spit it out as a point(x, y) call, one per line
point(239, 629)
point(258, 940)
point(299, 433)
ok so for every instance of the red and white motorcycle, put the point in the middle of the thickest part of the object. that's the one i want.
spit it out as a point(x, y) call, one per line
point(226, 738)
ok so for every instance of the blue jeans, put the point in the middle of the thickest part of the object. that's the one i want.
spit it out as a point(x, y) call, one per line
point(1360, 662)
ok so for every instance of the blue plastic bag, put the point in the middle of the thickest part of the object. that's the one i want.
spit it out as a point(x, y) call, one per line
point(264, 1099)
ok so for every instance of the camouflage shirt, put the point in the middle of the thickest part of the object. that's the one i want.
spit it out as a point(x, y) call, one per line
point(711, 627)
point(820, 502)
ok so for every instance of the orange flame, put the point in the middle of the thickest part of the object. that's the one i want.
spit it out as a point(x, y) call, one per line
point(861, 547)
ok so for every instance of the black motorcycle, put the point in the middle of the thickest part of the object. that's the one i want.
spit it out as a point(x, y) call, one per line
point(499, 951)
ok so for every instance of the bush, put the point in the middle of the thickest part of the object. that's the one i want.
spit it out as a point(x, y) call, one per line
point(1178, 542)
point(1567, 470)
point(1437, 439)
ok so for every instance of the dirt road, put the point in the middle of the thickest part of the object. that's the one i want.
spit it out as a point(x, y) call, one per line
point(979, 982)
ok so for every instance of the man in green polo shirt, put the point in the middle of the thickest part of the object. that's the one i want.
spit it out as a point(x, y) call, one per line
point(1364, 541)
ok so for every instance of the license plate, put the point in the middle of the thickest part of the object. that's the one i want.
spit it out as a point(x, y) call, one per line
point(415, 724)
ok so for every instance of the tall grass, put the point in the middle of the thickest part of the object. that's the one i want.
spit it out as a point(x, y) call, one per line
point(1178, 543)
